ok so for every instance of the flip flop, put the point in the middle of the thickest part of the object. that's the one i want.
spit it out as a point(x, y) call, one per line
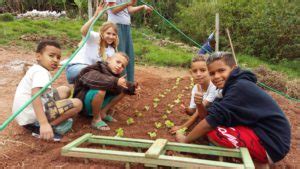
point(100, 125)
point(109, 118)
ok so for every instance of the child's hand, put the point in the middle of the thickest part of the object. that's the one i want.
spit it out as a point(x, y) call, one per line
point(122, 82)
point(46, 131)
point(148, 9)
point(99, 9)
point(181, 138)
point(174, 129)
point(198, 96)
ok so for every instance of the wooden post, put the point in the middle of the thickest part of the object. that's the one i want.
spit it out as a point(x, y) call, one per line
point(232, 49)
point(90, 9)
point(217, 32)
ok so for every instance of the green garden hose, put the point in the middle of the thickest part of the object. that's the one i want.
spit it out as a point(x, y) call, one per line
point(13, 116)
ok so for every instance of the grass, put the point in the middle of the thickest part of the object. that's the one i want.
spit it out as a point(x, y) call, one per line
point(148, 51)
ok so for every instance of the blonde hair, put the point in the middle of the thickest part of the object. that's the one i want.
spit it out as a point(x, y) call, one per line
point(102, 44)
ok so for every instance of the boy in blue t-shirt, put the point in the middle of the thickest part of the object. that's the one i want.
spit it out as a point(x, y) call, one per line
point(246, 116)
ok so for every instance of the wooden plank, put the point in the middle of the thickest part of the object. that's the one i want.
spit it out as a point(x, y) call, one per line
point(247, 160)
point(156, 148)
point(124, 139)
point(120, 143)
point(201, 149)
point(139, 158)
point(217, 32)
point(180, 147)
point(76, 142)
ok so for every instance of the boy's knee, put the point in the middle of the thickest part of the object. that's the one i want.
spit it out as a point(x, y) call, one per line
point(77, 104)
point(64, 90)
point(101, 93)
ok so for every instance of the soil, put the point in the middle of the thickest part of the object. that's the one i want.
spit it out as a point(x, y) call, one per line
point(19, 149)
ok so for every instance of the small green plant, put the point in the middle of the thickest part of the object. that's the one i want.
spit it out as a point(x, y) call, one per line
point(152, 134)
point(164, 116)
point(168, 111)
point(177, 101)
point(155, 104)
point(170, 106)
point(179, 96)
point(158, 125)
point(130, 121)
point(156, 99)
point(169, 123)
point(119, 132)
point(182, 130)
point(146, 108)
point(138, 113)
point(161, 95)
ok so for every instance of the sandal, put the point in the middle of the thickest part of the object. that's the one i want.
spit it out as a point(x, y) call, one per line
point(100, 125)
point(109, 118)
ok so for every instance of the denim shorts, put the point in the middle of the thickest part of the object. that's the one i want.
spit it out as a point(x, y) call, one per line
point(73, 70)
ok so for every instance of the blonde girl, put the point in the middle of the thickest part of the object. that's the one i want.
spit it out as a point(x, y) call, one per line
point(98, 47)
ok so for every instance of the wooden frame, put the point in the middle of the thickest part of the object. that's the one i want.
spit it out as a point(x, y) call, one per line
point(155, 155)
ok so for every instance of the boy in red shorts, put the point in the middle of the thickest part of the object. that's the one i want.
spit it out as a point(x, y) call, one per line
point(245, 116)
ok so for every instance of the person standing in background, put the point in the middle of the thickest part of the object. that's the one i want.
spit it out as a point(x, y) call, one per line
point(121, 16)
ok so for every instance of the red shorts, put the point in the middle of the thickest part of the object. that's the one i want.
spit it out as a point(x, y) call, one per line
point(239, 136)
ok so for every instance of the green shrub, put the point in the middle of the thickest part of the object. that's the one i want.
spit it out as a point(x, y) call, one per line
point(6, 17)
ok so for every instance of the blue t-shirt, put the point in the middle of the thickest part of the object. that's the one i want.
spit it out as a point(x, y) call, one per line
point(205, 48)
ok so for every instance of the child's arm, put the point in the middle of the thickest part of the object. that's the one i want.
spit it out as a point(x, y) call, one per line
point(120, 8)
point(135, 9)
point(200, 130)
point(101, 81)
point(199, 103)
point(46, 131)
point(187, 124)
point(85, 28)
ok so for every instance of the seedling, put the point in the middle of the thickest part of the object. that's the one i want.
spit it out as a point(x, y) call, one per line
point(138, 113)
point(177, 101)
point(130, 121)
point(119, 132)
point(170, 105)
point(182, 130)
point(158, 125)
point(155, 104)
point(146, 108)
point(156, 99)
point(179, 96)
point(169, 123)
point(152, 134)
point(164, 116)
point(169, 111)
point(161, 95)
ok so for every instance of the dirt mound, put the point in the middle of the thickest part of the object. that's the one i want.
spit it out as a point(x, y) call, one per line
point(19, 149)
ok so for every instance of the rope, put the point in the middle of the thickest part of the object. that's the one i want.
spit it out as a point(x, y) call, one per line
point(12, 117)
point(178, 30)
